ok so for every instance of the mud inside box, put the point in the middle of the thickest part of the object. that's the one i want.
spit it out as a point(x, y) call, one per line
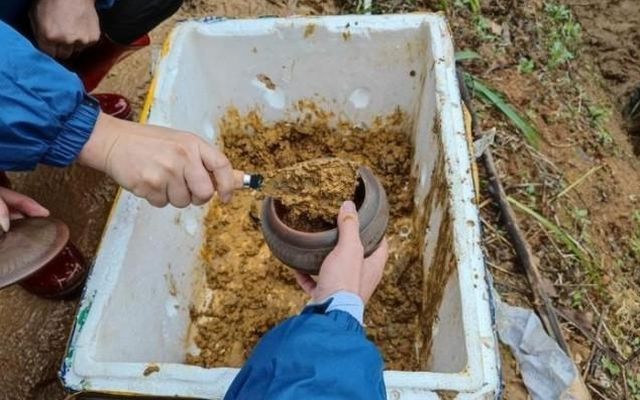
point(199, 285)
point(248, 291)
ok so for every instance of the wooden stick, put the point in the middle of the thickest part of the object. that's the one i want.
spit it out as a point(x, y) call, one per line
point(594, 390)
point(610, 353)
point(609, 334)
point(494, 230)
point(633, 356)
point(484, 203)
point(594, 346)
point(624, 384)
point(541, 302)
point(499, 268)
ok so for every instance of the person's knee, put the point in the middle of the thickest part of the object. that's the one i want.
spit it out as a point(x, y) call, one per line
point(128, 20)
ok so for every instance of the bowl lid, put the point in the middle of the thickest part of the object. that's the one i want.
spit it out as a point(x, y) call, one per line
point(28, 246)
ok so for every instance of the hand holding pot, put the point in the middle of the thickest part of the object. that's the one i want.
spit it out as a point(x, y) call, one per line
point(345, 268)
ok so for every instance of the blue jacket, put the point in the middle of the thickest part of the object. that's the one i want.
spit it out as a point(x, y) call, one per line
point(45, 115)
point(314, 356)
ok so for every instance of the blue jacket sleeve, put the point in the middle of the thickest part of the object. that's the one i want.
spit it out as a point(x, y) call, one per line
point(45, 115)
point(312, 356)
point(104, 4)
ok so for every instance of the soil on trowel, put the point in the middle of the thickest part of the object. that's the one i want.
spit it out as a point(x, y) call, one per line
point(311, 192)
point(249, 291)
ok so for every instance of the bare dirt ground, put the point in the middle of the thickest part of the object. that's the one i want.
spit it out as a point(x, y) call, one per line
point(613, 34)
point(571, 69)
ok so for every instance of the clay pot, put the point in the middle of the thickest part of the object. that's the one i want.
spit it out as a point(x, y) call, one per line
point(305, 251)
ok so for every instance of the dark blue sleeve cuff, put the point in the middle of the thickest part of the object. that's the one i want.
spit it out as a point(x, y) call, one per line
point(342, 318)
point(74, 134)
point(104, 4)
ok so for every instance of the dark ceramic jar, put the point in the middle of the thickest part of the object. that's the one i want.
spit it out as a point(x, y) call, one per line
point(305, 251)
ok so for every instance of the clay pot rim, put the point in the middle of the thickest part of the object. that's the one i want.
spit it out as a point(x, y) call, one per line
point(321, 239)
point(290, 230)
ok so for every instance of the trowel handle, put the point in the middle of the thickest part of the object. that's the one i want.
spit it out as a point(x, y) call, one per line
point(243, 180)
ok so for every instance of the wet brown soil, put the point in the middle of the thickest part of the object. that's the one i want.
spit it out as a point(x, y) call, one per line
point(311, 192)
point(251, 290)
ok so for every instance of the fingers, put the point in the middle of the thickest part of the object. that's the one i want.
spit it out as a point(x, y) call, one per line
point(178, 191)
point(219, 165)
point(379, 257)
point(178, 195)
point(16, 215)
point(22, 204)
point(159, 164)
point(13, 204)
point(199, 183)
point(4, 216)
point(48, 47)
point(157, 197)
point(63, 51)
point(373, 270)
point(78, 47)
point(81, 44)
point(349, 228)
point(306, 282)
point(238, 179)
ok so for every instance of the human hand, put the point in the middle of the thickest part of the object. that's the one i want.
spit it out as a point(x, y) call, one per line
point(345, 268)
point(14, 205)
point(159, 164)
point(63, 27)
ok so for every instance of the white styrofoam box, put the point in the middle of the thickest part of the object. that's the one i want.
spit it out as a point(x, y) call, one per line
point(135, 309)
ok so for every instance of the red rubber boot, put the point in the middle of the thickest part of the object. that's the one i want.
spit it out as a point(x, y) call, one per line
point(93, 64)
point(114, 104)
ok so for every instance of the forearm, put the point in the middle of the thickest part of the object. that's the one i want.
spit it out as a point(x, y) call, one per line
point(96, 150)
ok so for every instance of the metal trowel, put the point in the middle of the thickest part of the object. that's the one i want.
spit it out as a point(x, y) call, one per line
point(276, 183)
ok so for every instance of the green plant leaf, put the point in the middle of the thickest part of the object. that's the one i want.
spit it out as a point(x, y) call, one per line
point(611, 367)
point(494, 98)
point(558, 232)
point(526, 65)
point(464, 55)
